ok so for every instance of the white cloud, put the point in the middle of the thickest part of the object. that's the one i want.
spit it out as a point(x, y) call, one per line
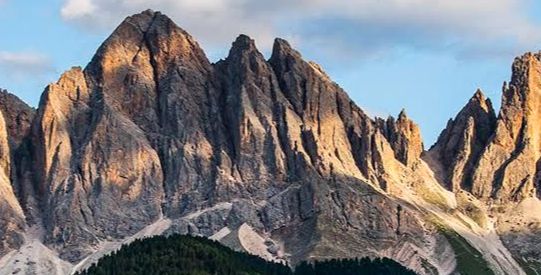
point(77, 8)
point(18, 65)
point(477, 28)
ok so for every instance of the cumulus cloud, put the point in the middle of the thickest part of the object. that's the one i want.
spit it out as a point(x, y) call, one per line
point(20, 65)
point(78, 9)
point(363, 28)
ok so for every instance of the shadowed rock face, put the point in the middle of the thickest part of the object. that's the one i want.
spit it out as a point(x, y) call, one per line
point(18, 117)
point(245, 147)
point(12, 220)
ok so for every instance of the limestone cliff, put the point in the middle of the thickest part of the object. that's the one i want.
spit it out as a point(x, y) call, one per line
point(507, 169)
point(404, 137)
point(150, 129)
point(12, 220)
point(268, 156)
point(461, 144)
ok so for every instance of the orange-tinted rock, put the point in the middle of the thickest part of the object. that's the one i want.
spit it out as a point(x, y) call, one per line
point(508, 166)
point(460, 145)
point(12, 219)
point(404, 137)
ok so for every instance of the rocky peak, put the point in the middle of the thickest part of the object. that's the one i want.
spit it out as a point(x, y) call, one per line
point(245, 58)
point(282, 49)
point(325, 108)
point(403, 116)
point(18, 117)
point(134, 67)
point(288, 63)
point(142, 20)
point(496, 158)
point(147, 37)
point(521, 98)
point(242, 44)
point(478, 96)
point(508, 167)
point(459, 146)
point(404, 136)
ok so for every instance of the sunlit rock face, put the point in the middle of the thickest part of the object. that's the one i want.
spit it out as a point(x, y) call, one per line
point(462, 142)
point(150, 129)
point(12, 220)
point(507, 169)
point(404, 137)
point(266, 156)
point(497, 158)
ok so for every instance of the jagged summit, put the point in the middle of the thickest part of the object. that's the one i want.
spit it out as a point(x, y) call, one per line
point(152, 126)
point(479, 95)
point(282, 49)
point(459, 146)
point(18, 116)
point(244, 47)
point(404, 137)
point(243, 42)
point(403, 115)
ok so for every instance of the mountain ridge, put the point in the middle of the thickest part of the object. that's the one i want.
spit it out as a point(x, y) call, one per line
point(268, 156)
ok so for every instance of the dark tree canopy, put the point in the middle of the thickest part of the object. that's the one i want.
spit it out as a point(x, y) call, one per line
point(187, 255)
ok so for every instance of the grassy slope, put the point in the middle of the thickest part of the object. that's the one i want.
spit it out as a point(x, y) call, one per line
point(469, 260)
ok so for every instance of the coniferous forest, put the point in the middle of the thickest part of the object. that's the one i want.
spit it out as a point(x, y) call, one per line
point(188, 255)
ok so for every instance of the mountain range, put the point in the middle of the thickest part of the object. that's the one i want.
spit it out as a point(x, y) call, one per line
point(269, 157)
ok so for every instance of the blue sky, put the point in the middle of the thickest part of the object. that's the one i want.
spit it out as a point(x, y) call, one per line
point(428, 56)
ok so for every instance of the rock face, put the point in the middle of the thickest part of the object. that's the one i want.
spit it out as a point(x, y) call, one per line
point(12, 220)
point(508, 167)
point(267, 156)
point(404, 137)
point(18, 117)
point(461, 144)
point(150, 129)
point(497, 159)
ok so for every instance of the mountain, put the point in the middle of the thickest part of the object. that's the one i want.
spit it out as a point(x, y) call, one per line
point(269, 157)
point(182, 254)
point(496, 159)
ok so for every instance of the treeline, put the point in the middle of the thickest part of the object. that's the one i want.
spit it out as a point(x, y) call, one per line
point(363, 266)
point(188, 255)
